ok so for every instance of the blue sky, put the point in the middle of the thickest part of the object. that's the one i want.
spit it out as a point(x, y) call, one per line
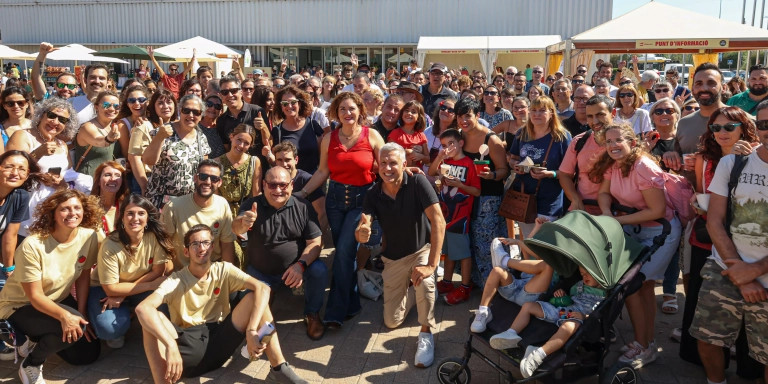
point(731, 8)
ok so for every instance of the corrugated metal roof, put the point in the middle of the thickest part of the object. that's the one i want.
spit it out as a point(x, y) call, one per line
point(290, 22)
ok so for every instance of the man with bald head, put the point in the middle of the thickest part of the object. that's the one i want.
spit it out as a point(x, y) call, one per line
point(284, 243)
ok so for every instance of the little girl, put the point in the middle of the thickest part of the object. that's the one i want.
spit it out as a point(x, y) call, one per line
point(410, 134)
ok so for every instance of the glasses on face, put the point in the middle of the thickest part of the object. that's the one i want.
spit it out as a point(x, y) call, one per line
point(663, 111)
point(490, 93)
point(437, 73)
point(209, 104)
point(68, 86)
point(282, 186)
point(448, 109)
point(729, 127)
point(205, 177)
point(536, 71)
point(691, 108)
point(479, 77)
point(580, 99)
point(561, 89)
point(627, 82)
point(230, 91)
point(510, 73)
point(577, 82)
point(661, 90)
point(629, 94)
point(173, 69)
point(762, 125)
point(581, 71)
point(201, 244)
point(247, 89)
point(10, 168)
point(291, 103)
point(108, 105)
point(194, 112)
point(50, 115)
point(133, 100)
point(13, 103)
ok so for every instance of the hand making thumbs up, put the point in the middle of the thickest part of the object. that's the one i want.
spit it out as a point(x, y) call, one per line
point(249, 217)
point(363, 231)
point(113, 135)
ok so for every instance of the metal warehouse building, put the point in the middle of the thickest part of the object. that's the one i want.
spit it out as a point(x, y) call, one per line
point(317, 32)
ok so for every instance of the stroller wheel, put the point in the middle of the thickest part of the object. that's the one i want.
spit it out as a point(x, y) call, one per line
point(619, 373)
point(453, 371)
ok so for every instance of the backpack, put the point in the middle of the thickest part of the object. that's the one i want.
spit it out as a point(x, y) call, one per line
point(678, 192)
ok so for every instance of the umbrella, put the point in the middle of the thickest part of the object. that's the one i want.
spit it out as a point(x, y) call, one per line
point(77, 52)
point(7, 52)
point(131, 52)
point(400, 58)
point(207, 50)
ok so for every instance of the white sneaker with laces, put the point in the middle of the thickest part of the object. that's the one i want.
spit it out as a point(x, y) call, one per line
point(631, 345)
point(532, 360)
point(31, 374)
point(481, 320)
point(26, 348)
point(425, 351)
point(638, 357)
point(498, 252)
point(505, 340)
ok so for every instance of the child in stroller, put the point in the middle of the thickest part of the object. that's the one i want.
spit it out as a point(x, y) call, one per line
point(567, 312)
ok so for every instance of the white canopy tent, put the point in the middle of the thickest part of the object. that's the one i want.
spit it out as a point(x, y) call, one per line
point(518, 51)
point(7, 52)
point(454, 51)
point(77, 52)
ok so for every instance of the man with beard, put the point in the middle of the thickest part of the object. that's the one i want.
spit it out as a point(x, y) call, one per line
point(579, 161)
point(435, 91)
point(65, 85)
point(390, 112)
point(201, 207)
point(238, 111)
point(518, 84)
point(757, 92)
point(577, 123)
point(707, 87)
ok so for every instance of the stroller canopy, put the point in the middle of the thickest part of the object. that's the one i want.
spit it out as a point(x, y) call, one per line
point(596, 243)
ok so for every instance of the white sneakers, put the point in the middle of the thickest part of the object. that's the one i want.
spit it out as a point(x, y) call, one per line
point(532, 360)
point(26, 348)
point(32, 374)
point(505, 340)
point(425, 351)
point(499, 252)
point(637, 356)
point(482, 318)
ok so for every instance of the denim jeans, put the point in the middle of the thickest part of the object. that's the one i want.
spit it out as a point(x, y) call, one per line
point(315, 281)
point(343, 205)
point(113, 322)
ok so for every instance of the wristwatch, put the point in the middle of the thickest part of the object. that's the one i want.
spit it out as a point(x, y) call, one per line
point(303, 264)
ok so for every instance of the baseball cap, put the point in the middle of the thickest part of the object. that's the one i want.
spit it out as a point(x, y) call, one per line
point(258, 72)
point(438, 67)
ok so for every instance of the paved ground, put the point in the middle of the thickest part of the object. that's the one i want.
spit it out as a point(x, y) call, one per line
point(363, 351)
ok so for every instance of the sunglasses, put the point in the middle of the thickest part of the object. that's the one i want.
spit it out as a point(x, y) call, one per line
point(218, 106)
point(194, 112)
point(205, 177)
point(661, 90)
point(663, 111)
point(510, 73)
point(278, 86)
point(762, 125)
point(133, 100)
point(480, 77)
point(173, 69)
point(68, 86)
point(581, 71)
point(61, 119)
point(730, 127)
point(691, 108)
point(107, 105)
point(448, 109)
point(490, 93)
point(230, 91)
point(286, 103)
point(12, 103)
point(247, 89)
point(577, 81)
point(282, 186)
point(538, 72)
point(628, 82)
point(628, 94)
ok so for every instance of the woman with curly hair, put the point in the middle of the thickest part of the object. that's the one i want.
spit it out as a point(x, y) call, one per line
point(736, 85)
point(297, 127)
point(629, 175)
point(53, 124)
point(132, 262)
point(110, 186)
point(36, 300)
point(730, 130)
point(628, 103)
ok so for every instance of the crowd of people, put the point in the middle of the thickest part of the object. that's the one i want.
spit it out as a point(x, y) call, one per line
point(191, 201)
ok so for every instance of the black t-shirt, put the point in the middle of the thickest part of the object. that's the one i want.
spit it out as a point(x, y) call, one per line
point(301, 179)
point(15, 209)
point(402, 220)
point(663, 146)
point(574, 127)
point(306, 141)
point(225, 124)
point(488, 187)
point(383, 131)
point(279, 236)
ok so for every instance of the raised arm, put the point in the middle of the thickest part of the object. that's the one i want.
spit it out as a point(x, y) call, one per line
point(38, 85)
point(151, 52)
point(191, 63)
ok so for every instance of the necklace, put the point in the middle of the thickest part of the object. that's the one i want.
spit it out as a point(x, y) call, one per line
point(341, 133)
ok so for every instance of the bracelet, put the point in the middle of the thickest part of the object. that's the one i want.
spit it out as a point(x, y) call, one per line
point(554, 174)
point(106, 138)
point(8, 269)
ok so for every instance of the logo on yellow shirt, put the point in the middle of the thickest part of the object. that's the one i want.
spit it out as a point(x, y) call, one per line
point(151, 259)
point(81, 259)
point(216, 291)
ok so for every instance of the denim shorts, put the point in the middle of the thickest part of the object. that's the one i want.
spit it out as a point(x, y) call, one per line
point(552, 313)
point(516, 293)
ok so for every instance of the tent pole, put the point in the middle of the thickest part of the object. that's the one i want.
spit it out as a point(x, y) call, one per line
point(567, 57)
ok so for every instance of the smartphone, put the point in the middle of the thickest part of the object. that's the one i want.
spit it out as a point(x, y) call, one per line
point(54, 170)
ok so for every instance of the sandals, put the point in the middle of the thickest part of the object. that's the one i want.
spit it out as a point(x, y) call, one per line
point(669, 304)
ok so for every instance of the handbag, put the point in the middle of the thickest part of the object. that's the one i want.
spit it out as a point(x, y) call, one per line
point(521, 206)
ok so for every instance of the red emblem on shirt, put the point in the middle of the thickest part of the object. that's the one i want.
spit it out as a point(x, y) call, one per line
point(216, 291)
point(81, 259)
point(216, 224)
point(151, 259)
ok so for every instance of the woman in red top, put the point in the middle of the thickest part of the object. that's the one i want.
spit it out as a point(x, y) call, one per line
point(347, 156)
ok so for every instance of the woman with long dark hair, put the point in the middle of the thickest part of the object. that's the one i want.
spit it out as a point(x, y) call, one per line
point(491, 109)
point(110, 186)
point(132, 262)
point(15, 112)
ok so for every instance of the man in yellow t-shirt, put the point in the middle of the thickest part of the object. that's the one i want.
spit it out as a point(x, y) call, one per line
point(202, 207)
point(204, 330)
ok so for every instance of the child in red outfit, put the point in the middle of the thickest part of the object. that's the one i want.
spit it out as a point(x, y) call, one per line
point(410, 134)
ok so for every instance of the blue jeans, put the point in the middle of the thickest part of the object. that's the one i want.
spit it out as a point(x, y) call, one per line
point(112, 323)
point(315, 281)
point(343, 205)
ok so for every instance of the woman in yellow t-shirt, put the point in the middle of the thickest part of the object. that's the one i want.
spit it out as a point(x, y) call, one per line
point(36, 300)
point(110, 186)
point(132, 262)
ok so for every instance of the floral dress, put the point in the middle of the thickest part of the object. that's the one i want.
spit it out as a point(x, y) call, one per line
point(174, 173)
